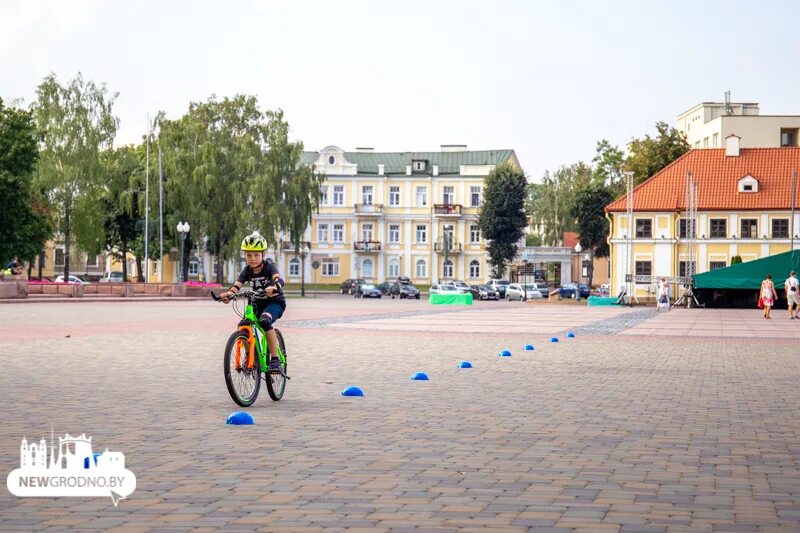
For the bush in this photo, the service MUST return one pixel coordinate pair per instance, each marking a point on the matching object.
(736, 259)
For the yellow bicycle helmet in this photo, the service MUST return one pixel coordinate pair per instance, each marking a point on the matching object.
(254, 243)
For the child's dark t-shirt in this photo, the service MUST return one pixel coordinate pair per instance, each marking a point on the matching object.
(262, 279)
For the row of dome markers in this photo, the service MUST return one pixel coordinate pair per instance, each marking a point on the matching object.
(422, 376)
(245, 418)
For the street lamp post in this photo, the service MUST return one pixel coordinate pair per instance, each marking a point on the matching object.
(525, 278)
(303, 253)
(578, 249)
(183, 229)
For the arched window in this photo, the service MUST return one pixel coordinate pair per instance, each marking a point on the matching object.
(422, 269)
(447, 269)
(474, 269)
(294, 267)
(366, 268)
(394, 268)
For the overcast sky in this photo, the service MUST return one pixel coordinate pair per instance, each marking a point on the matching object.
(547, 79)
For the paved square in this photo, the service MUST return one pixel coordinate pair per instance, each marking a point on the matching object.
(624, 428)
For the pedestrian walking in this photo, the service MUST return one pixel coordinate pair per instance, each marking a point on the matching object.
(767, 295)
(792, 296)
(663, 295)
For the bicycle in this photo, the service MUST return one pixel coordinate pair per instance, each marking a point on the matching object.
(247, 355)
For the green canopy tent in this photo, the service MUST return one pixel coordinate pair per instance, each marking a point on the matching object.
(749, 275)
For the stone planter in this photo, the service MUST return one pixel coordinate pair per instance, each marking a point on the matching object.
(17, 288)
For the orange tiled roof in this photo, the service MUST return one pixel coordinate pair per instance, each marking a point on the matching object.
(717, 177)
(570, 239)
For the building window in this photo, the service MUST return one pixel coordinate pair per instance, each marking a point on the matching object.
(394, 195)
(330, 267)
(422, 233)
(294, 267)
(322, 233)
(448, 194)
(394, 233)
(716, 265)
(323, 195)
(780, 228)
(716, 140)
(422, 196)
(366, 232)
(682, 265)
(194, 266)
(422, 269)
(59, 262)
(447, 269)
(338, 195)
(789, 136)
(331, 160)
(719, 228)
(474, 269)
(474, 234)
(338, 233)
(394, 268)
(366, 268)
(92, 261)
(705, 142)
(644, 268)
(644, 228)
(366, 194)
(418, 165)
(749, 228)
(475, 196)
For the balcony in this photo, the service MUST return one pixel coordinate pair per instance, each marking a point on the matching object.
(288, 246)
(367, 246)
(447, 210)
(439, 246)
(368, 210)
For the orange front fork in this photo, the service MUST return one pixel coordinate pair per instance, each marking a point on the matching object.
(251, 348)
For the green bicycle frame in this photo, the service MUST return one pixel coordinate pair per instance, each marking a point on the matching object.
(262, 349)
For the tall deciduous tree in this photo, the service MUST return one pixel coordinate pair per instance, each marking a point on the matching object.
(502, 217)
(24, 220)
(120, 200)
(588, 210)
(650, 154)
(608, 162)
(75, 123)
(551, 201)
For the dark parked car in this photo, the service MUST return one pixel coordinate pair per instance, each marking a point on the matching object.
(568, 291)
(403, 288)
(386, 287)
(499, 286)
(367, 290)
(349, 285)
(483, 292)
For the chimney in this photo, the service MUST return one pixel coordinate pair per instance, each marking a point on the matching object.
(408, 170)
(380, 169)
(454, 147)
(365, 149)
(732, 145)
(435, 170)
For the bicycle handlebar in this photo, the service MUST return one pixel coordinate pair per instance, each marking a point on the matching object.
(248, 293)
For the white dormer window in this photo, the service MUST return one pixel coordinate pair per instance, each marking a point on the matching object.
(748, 184)
(419, 165)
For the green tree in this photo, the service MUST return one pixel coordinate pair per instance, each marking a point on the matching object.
(75, 123)
(607, 165)
(649, 155)
(551, 201)
(24, 215)
(588, 210)
(736, 259)
(502, 218)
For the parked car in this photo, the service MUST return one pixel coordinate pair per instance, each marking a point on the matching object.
(568, 291)
(112, 277)
(543, 289)
(349, 285)
(517, 291)
(438, 288)
(403, 288)
(499, 286)
(482, 292)
(604, 290)
(368, 290)
(73, 280)
(386, 287)
(460, 286)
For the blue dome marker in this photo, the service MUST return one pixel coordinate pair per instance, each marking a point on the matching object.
(240, 418)
(353, 391)
(529, 347)
(553, 339)
(420, 376)
(464, 364)
(505, 353)
(570, 335)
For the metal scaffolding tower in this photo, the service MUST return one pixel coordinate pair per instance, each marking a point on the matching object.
(629, 257)
(690, 215)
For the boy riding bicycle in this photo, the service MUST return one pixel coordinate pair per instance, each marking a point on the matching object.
(263, 275)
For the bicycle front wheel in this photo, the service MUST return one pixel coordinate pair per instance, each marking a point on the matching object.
(276, 383)
(243, 381)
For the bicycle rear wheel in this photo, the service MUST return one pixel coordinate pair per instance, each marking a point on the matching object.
(276, 383)
(242, 382)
